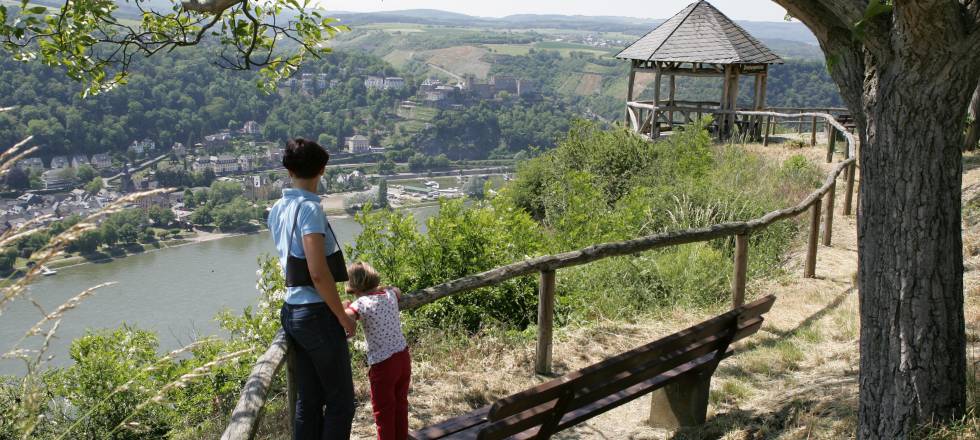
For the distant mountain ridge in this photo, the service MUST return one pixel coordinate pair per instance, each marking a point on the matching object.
(791, 31)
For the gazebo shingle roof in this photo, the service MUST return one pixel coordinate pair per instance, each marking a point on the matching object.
(700, 33)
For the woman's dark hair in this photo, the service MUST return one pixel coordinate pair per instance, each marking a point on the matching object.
(304, 158)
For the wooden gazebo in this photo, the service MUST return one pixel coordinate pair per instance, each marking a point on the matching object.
(699, 41)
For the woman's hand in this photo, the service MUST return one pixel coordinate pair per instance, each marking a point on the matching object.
(313, 244)
(350, 326)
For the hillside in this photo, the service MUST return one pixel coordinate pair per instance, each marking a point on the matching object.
(792, 31)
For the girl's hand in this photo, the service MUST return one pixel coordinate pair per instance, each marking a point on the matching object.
(346, 303)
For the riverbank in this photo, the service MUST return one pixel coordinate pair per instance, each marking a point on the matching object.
(329, 203)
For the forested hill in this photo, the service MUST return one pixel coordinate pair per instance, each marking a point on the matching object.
(183, 96)
(175, 98)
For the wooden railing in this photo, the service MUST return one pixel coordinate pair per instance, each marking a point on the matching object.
(647, 117)
(247, 414)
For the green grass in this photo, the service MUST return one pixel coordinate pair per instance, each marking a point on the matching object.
(730, 391)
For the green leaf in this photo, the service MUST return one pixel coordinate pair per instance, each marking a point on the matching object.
(37, 10)
(875, 8)
(832, 61)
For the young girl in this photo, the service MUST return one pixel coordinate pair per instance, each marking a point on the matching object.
(387, 351)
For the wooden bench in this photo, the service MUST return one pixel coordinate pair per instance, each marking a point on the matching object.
(678, 367)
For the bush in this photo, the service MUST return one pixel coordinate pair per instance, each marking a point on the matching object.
(460, 241)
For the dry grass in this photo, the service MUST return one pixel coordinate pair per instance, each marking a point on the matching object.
(460, 60)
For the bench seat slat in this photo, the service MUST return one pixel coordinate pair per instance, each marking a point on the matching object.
(663, 365)
(476, 418)
(550, 390)
(634, 392)
(585, 396)
(623, 397)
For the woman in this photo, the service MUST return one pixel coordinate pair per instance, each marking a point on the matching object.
(313, 316)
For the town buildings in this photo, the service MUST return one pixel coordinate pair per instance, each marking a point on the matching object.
(251, 128)
(374, 82)
(56, 180)
(142, 147)
(358, 144)
(31, 163)
(60, 162)
(101, 161)
(79, 160)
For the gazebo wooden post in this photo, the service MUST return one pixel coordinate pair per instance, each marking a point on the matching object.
(763, 83)
(733, 99)
(673, 89)
(725, 95)
(655, 113)
(756, 126)
(629, 90)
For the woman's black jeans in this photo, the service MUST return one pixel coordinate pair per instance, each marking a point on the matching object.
(321, 366)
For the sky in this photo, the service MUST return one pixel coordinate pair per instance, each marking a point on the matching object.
(758, 10)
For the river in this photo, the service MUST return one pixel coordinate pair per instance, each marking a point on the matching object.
(175, 292)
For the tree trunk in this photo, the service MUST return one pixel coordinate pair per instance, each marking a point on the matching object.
(907, 80)
(973, 132)
(913, 349)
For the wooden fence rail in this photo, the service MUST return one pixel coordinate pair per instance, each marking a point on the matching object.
(247, 414)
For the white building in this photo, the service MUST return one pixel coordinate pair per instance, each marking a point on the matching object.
(141, 147)
(394, 83)
(31, 163)
(224, 164)
(246, 162)
(179, 149)
(374, 82)
(54, 180)
(59, 162)
(201, 164)
(358, 144)
(101, 160)
(251, 127)
(79, 160)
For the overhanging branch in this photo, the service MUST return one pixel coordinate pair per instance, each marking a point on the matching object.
(208, 6)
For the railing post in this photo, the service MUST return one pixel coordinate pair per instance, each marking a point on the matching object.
(849, 188)
(831, 143)
(810, 267)
(546, 318)
(741, 264)
(765, 139)
(813, 132)
(828, 216)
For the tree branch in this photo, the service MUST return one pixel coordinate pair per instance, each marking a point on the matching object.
(208, 6)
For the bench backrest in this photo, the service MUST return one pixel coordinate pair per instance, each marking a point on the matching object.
(545, 404)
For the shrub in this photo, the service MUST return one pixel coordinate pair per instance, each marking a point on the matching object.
(460, 241)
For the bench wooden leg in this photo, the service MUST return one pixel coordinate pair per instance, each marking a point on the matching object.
(682, 403)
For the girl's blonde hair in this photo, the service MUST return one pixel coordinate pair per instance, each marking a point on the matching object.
(362, 277)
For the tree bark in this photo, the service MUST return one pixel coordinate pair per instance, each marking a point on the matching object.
(973, 132)
(913, 349)
(908, 84)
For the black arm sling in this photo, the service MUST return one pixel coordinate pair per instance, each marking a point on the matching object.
(297, 270)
